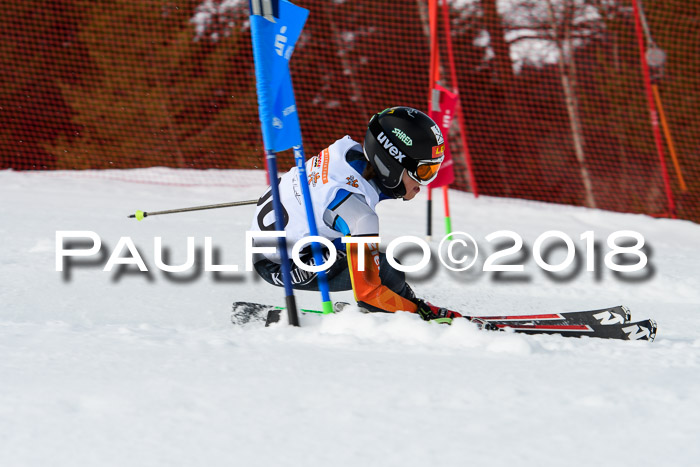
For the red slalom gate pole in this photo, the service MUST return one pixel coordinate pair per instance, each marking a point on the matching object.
(433, 76)
(652, 110)
(429, 223)
(460, 115)
(446, 202)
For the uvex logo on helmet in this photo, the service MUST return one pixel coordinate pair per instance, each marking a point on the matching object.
(389, 146)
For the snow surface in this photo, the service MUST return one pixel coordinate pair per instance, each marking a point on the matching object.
(102, 368)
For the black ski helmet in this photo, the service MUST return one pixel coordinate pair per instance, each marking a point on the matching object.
(403, 138)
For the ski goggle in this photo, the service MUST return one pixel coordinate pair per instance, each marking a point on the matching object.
(426, 171)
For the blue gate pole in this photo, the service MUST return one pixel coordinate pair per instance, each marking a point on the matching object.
(290, 302)
(300, 159)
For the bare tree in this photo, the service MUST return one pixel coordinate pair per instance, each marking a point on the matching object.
(562, 24)
(505, 87)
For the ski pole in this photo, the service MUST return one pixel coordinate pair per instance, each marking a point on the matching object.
(139, 215)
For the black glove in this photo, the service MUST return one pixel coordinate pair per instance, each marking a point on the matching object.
(429, 312)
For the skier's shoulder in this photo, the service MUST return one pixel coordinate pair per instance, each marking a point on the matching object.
(350, 214)
(348, 152)
(347, 165)
(345, 144)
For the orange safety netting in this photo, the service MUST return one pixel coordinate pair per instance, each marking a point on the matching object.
(553, 93)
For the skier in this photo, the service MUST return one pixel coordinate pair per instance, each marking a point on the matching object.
(403, 150)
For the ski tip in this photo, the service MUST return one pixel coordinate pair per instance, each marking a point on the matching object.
(652, 333)
(640, 330)
(628, 313)
(246, 312)
(340, 306)
(273, 316)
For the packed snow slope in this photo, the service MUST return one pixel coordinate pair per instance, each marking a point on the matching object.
(131, 368)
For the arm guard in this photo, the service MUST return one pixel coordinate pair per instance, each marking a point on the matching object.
(367, 285)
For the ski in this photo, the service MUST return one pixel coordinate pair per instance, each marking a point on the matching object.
(246, 312)
(640, 330)
(605, 323)
(602, 323)
(602, 317)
